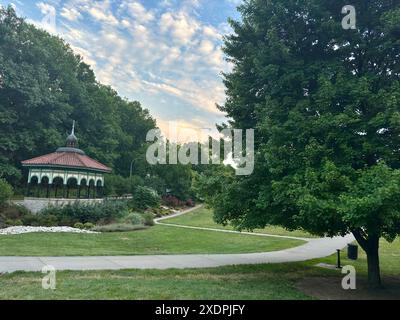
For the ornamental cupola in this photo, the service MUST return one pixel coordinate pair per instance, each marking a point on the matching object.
(72, 140)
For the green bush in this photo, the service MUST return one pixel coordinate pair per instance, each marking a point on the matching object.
(115, 185)
(79, 225)
(13, 223)
(161, 212)
(119, 227)
(88, 226)
(11, 212)
(100, 213)
(31, 220)
(118, 186)
(6, 192)
(48, 220)
(145, 198)
(148, 218)
(134, 219)
(18, 222)
(13, 215)
(155, 183)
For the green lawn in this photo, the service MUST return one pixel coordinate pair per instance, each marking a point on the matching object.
(156, 240)
(298, 281)
(264, 282)
(204, 218)
(245, 282)
(389, 254)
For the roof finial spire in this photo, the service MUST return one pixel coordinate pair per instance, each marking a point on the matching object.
(72, 141)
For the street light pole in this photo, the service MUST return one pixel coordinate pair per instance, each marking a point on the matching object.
(130, 175)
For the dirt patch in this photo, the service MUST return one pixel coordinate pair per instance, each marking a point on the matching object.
(330, 288)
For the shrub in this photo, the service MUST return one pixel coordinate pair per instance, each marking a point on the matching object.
(48, 220)
(134, 219)
(161, 212)
(31, 220)
(6, 192)
(190, 203)
(144, 198)
(11, 212)
(172, 201)
(148, 218)
(155, 183)
(88, 226)
(18, 222)
(79, 225)
(13, 215)
(119, 186)
(13, 223)
(70, 214)
(119, 227)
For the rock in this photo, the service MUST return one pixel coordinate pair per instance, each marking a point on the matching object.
(21, 230)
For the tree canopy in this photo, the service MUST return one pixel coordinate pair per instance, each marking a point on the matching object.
(325, 104)
(43, 87)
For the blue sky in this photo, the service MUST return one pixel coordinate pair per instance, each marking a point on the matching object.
(165, 54)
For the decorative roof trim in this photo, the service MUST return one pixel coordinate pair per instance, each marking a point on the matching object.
(49, 166)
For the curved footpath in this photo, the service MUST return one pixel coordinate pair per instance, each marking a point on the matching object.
(313, 249)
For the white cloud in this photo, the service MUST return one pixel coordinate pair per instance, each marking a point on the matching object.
(166, 57)
(48, 21)
(71, 14)
(46, 8)
(102, 16)
(179, 25)
(206, 47)
(138, 11)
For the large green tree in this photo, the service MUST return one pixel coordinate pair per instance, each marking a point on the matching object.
(325, 103)
(43, 87)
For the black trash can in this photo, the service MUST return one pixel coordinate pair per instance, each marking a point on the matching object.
(352, 252)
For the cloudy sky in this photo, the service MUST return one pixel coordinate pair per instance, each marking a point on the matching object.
(164, 53)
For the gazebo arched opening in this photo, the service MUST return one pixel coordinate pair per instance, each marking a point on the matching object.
(33, 187)
(82, 189)
(92, 189)
(58, 185)
(99, 188)
(44, 187)
(72, 188)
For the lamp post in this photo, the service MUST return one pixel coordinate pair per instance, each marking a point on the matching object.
(130, 174)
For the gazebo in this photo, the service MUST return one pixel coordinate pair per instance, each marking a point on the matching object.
(67, 173)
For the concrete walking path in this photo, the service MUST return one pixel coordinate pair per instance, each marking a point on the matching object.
(312, 249)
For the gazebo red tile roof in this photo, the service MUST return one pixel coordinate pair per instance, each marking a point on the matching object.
(67, 159)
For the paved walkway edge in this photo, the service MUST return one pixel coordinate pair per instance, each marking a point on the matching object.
(313, 249)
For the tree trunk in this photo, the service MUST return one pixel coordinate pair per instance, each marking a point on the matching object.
(374, 272)
(371, 248)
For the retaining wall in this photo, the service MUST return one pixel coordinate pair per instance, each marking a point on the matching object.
(35, 204)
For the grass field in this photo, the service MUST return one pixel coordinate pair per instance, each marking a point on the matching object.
(264, 282)
(298, 281)
(204, 218)
(156, 240)
(245, 282)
